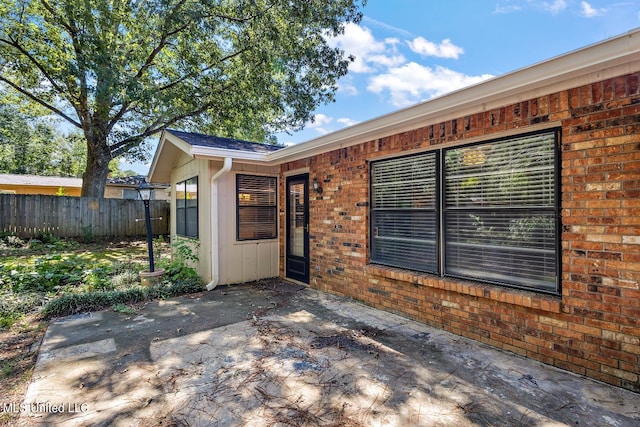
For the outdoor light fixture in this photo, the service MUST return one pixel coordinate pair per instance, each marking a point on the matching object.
(144, 190)
(316, 186)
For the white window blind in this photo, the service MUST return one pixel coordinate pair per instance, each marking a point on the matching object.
(404, 212)
(500, 212)
(256, 207)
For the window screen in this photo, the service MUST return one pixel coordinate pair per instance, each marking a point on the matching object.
(403, 213)
(256, 207)
(500, 212)
(187, 208)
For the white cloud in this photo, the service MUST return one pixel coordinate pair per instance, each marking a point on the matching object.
(556, 6)
(347, 88)
(445, 49)
(507, 9)
(386, 26)
(347, 122)
(319, 122)
(589, 11)
(413, 82)
(368, 52)
(510, 6)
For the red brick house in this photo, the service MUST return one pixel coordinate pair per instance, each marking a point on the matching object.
(507, 212)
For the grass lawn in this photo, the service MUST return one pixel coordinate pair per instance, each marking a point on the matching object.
(49, 277)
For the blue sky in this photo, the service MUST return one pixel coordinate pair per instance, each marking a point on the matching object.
(408, 51)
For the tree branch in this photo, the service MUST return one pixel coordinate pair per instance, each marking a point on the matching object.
(148, 62)
(121, 147)
(41, 102)
(34, 61)
(58, 18)
(81, 99)
(245, 19)
(202, 70)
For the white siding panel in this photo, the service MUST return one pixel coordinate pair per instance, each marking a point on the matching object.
(249, 260)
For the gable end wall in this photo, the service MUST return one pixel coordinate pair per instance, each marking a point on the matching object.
(593, 329)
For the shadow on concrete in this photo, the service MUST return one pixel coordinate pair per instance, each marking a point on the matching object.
(272, 353)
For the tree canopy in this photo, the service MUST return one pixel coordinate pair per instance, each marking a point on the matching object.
(121, 71)
(34, 145)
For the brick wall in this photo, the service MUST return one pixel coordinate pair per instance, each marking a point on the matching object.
(593, 329)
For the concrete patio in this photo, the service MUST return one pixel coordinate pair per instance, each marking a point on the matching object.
(273, 353)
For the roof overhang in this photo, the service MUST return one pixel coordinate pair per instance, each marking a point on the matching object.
(40, 181)
(610, 58)
(171, 146)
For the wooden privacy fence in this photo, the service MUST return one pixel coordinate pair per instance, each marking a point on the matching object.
(29, 215)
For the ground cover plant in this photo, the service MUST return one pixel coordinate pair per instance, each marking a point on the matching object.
(48, 277)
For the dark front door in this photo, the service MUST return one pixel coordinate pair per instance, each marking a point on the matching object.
(297, 248)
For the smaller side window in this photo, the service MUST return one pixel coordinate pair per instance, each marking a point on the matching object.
(256, 207)
(187, 208)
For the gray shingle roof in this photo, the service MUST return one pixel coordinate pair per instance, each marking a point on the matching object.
(127, 180)
(202, 140)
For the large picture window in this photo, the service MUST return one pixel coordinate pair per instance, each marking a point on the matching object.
(187, 208)
(495, 210)
(257, 207)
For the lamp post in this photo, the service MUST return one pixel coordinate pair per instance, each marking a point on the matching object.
(144, 190)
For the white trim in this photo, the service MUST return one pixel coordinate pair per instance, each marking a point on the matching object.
(209, 153)
(298, 171)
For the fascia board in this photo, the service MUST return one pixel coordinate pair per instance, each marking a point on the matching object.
(156, 158)
(199, 152)
(165, 137)
(178, 142)
(221, 153)
(605, 59)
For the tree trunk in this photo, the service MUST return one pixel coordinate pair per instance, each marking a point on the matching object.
(94, 178)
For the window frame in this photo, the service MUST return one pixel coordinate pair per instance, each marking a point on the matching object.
(273, 207)
(443, 235)
(373, 211)
(181, 229)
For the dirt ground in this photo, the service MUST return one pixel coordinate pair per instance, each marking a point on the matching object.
(18, 346)
(277, 354)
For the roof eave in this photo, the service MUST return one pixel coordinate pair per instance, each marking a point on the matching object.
(222, 153)
(609, 58)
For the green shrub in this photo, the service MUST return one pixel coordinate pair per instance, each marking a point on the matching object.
(46, 237)
(126, 279)
(91, 301)
(87, 234)
(99, 300)
(177, 269)
(122, 308)
(58, 284)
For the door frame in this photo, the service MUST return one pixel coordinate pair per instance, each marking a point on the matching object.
(296, 267)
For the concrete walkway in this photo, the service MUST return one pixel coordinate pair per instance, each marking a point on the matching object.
(277, 354)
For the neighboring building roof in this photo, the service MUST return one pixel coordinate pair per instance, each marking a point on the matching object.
(202, 140)
(131, 181)
(37, 180)
(67, 182)
(127, 180)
